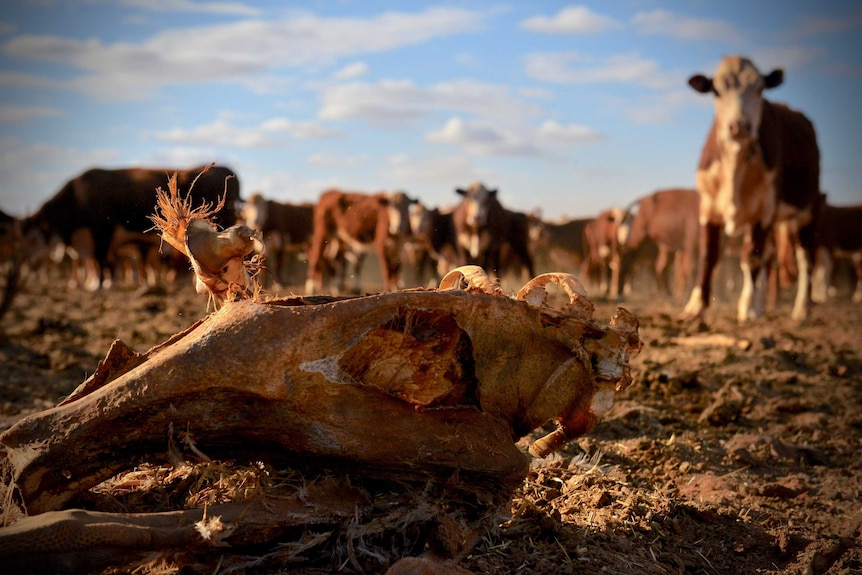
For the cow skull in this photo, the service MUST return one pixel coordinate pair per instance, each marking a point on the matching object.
(417, 382)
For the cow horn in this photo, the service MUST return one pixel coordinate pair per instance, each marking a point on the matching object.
(470, 278)
(534, 292)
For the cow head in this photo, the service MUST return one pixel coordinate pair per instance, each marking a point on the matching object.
(624, 220)
(398, 204)
(254, 211)
(476, 199)
(738, 89)
(737, 186)
(420, 219)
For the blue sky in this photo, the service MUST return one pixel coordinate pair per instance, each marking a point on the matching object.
(565, 107)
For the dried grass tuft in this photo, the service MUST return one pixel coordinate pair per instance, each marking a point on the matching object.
(174, 213)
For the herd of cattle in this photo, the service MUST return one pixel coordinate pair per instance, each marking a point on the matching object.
(757, 186)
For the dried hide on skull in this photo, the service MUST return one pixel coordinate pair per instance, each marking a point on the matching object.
(410, 387)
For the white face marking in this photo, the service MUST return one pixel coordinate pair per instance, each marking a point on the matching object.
(476, 201)
(739, 99)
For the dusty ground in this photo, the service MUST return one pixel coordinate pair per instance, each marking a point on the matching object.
(736, 450)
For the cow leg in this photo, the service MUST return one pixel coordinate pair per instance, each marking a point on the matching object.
(317, 259)
(821, 277)
(661, 269)
(803, 286)
(710, 246)
(615, 288)
(805, 248)
(755, 263)
(857, 267)
(351, 270)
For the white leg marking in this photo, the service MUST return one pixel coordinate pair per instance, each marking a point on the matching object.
(745, 297)
(800, 306)
(694, 307)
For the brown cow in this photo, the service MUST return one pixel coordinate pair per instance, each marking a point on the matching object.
(669, 219)
(485, 230)
(560, 245)
(286, 228)
(602, 265)
(348, 225)
(760, 165)
(839, 236)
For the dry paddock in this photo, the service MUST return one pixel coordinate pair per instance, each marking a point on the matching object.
(736, 449)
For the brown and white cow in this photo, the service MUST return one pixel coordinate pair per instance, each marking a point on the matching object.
(760, 165)
(485, 231)
(669, 220)
(286, 229)
(348, 225)
(840, 236)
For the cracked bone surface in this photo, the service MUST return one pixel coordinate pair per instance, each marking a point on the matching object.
(411, 384)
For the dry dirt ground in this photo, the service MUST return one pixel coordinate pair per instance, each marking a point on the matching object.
(736, 450)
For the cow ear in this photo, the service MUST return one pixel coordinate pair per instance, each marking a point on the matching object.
(460, 192)
(492, 193)
(701, 83)
(774, 78)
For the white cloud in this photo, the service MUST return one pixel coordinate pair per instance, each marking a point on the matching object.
(571, 20)
(297, 130)
(353, 70)
(573, 68)
(328, 161)
(552, 134)
(184, 156)
(394, 103)
(814, 25)
(664, 23)
(661, 108)
(22, 80)
(221, 133)
(433, 178)
(228, 8)
(13, 113)
(483, 139)
(234, 51)
(467, 59)
(33, 173)
(786, 57)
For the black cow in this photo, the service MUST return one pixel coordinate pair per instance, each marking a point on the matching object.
(287, 231)
(99, 202)
(487, 233)
(431, 248)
